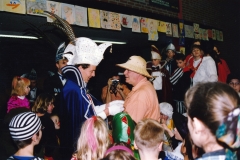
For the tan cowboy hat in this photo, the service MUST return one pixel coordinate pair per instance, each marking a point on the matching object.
(136, 64)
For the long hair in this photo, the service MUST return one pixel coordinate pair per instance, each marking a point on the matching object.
(18, 85)
(42, 102)
(93, 140)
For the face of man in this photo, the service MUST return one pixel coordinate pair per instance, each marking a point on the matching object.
(33, 84)
(131, 77)
(196, 53)
(156, 62)
(181, 63)
(87, 73)
(170, 54)
(60, 64)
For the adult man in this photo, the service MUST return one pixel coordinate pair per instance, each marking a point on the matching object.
(78, 105)
(141, 102)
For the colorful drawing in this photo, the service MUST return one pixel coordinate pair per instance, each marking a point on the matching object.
(182, 33)
(104, 19)
(93, 18)
(168, 29)
(114, 21)
(68, 13)
(182, 50)
(213, 34)
(188, 31)
(15, 6)
(126, 20)
(36, 7)
(152, 30)
(205, 34)
(81, 16)
(200, 33)
(196, 27)
(162, 27)
(53, 7)
(144, 25)
(196, 35)
(210, 33)
(221, 36)
(175, 30)
(1, 5)
(135, 24)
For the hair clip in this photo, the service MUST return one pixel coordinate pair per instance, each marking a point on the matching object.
(119, 147)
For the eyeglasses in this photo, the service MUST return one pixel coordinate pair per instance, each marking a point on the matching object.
(234, 84)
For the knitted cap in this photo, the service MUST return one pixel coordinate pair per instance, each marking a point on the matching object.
(24, 125)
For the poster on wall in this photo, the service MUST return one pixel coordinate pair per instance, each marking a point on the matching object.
(213, 34)
(135, 24)
(81, 16)
(144, 24)
(53, 7)
(221, 36)
(36, 7)
(182, 50)
(162, 26)
(152, 30)
(168, 29)
(205, 34)
(126, 20)
(14, 6)
(104, 19)
(200, 33)
(1, 5)
(189, 31)
(209, 33)
(181, 33)
(196, 27)
(196, 35)
(217, 35)
(114, 19)
(175, 30)
(93, 18)
(68, 13)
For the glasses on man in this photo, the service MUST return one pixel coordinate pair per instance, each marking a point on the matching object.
(234, 84)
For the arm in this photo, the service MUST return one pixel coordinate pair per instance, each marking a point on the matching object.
(211, 71)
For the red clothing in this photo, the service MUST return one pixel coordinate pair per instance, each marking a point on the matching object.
(223, 71)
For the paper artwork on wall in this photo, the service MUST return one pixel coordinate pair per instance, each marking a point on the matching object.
(1, 5)
(175, 30)
(196, 35)
(93, 18)
(196, 27)
(220, 35)
(168, 29)
(213, 34)
(114, 21)
(68, 13)
(205, 34)
(181, 33)
(144, 25)
(126, 20)
(209, 33)
(81, 16)
(104, 19)
(36, 7)
(162, 27)
(217, 35)
(15, 6)
(135, 24)
(53, 7)
(182, 50)
(189, 31)
(152, 30)
(200, 33)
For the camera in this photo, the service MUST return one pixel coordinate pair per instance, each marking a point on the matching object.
(113, 88)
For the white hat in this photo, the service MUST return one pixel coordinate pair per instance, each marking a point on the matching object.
(166, 109)
(85, 52)
(136, 64)
(155, 52)
(170, 47)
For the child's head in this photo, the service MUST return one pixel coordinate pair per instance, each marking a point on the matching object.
(119, 151)
(196, 51)
(148, 135)
(20, 86)
(181, 128)
(170, 51)
(207, 105)
(166, 111)
(180, 59)
(56, 121)
(234, 81)
(93, 140)
(25, 129)
(43, 104)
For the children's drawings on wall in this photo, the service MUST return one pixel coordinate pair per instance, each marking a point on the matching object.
(135, 24)
(200, 33)
(162, 26)
(114, 21)
(36, 7)
(205, 35)
(181, 33)
(196, 27)
(175, 30)
(213, 34)
(209, 33)
(68, 13)
(168, 29)
(189, 31)
(196, 35)
(217, 35)
(182, 50)
(104, 19)
(53, 7)
(81, 16)
(152, 30)
(93, 18)
(15, 6)
(144, 25)
(126, 20)
(220, 36)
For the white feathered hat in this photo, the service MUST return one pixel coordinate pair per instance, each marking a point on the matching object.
(166, 109)
(85, 51)
(155, 52)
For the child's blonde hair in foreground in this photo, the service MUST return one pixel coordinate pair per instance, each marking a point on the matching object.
(94, 139)
(148, 134)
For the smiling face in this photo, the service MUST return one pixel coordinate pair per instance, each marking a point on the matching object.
(87, 73)
(196, 53)
(131, 77)
(181, 63)
(156, 62)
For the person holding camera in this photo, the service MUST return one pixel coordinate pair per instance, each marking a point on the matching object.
(115, 90)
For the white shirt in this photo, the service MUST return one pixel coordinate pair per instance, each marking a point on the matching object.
(157, 83)
(206, 72)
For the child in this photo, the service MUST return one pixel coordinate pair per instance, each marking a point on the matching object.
(234, 82)
(93, 140)
(148, 139)
(171, 64)
(20, 89)
(181, 82)
(213, 117)
(25, 130)
(43, 107)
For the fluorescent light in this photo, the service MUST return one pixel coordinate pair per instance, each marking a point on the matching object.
(17, 36)
(113, 42)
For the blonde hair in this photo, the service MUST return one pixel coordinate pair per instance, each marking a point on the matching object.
(210, 103)
(148, 134)
(42, 102)
(18, 85)
(93, 140)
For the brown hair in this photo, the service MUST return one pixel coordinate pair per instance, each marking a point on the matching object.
(148, 134)
(42, 102)
(18, 85)
(210, 103)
